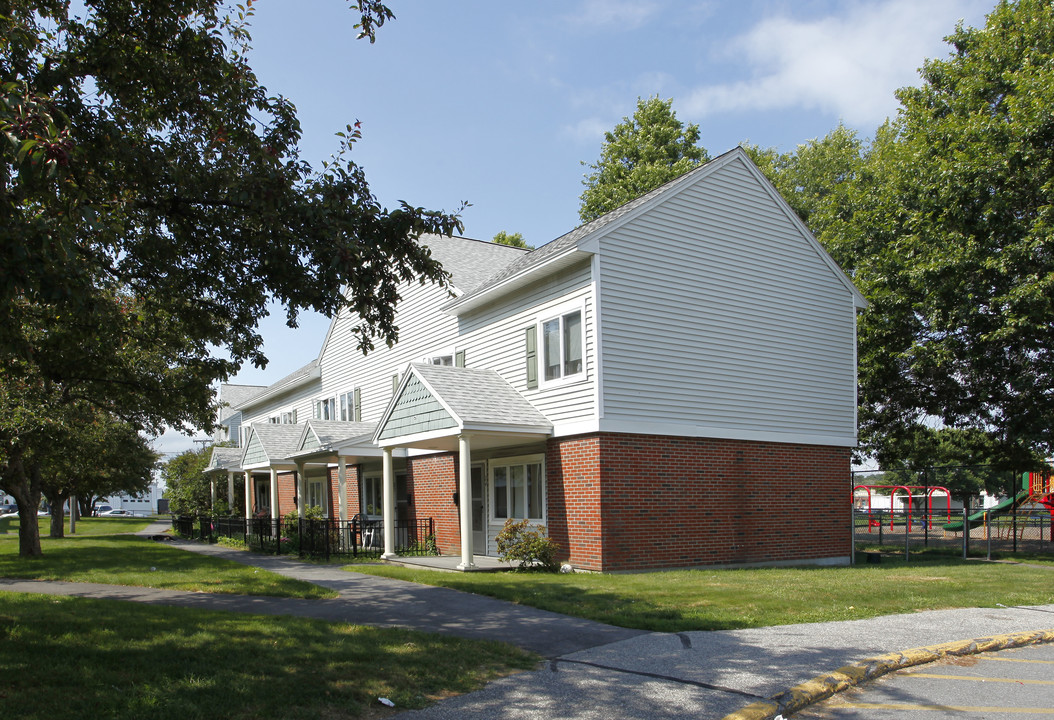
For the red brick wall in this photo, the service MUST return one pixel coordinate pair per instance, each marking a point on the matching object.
(432, 481)
(572, 469)
(351, 478)
(630, 502)
(286, 493)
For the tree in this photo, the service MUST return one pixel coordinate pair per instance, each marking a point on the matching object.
(512, 240)
(152, 204)
(960, 273)
(121, 461)
(639, 155)
(187, 486)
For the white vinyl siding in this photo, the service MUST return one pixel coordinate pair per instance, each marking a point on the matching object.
(493, 338)
(719, 314)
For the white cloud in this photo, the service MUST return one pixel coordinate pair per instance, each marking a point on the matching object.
(847, 65)
(587, 130)
(624, 14)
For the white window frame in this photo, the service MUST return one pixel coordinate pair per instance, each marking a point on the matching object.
(368, 479)
(445, 357)
(348, 398)
(318, 408)
(558, 314)
(492, 493)
(283, 417)
(316, 484)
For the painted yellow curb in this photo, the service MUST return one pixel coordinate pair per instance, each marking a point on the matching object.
(824, 686)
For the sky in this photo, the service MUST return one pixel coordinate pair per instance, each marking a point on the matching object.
(503, 105)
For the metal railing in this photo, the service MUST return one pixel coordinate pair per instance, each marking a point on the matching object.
(323, 539)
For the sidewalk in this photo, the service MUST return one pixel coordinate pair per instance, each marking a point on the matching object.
(593, 670)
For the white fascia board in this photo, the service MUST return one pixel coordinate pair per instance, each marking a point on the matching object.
(407, 440)
(284, 465)
(513, 282)
(500, 428)
(314, 374)
(700, 431)
(580, 427)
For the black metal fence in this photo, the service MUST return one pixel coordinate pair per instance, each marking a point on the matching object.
(323, 539)
(972, 532)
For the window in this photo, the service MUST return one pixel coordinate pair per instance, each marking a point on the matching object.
(315, 498)
(518, 488)
(350, 404)
(286, 417)
(325, 409)
(440, 360)
(371, 497)
(562, 346)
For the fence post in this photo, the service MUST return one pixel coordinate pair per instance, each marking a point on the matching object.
(988, 531)
(907, 537)
(966, 527)
(852, 535)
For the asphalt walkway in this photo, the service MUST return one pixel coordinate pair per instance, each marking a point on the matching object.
(593, 670)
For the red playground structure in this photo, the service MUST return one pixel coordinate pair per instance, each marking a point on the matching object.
(927, 490)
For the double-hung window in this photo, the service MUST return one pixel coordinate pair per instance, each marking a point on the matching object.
(325, 409)
(562, 346)
(518, 488)
(350, 406)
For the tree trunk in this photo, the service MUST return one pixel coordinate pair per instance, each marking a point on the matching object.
(57, 531)
(24, 487)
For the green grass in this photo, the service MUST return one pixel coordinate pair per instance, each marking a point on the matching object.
(732, 599)
(77, 658)
(139, 561)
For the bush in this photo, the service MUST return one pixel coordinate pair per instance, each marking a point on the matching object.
(521, 542)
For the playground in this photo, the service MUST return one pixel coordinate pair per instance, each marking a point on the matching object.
(925, 516)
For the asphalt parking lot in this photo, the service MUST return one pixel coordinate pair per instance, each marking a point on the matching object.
(1016, 683)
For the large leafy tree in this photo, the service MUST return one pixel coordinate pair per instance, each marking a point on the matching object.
(152, 204)
(961, 278)
(640, 154)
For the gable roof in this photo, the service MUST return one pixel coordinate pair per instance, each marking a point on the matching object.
(469, 261)
(448, 399)
(328, 434)
(270, 443)
(572, 247)
(224, 458)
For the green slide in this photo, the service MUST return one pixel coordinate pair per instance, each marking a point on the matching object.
(978, 517)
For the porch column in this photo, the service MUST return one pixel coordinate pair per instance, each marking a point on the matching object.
(298, 490)
(465, 500)
(389, 506)
(230, 491)
(274, 495)
(342, 487)
(212, 490)
(248, 494)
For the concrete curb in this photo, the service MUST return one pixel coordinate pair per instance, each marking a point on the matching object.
(824, 686)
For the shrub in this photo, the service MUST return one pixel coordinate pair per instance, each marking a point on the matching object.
(521, 542)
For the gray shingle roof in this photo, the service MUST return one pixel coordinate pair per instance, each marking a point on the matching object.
(335, 432)
(224, 458)
(231, 396)
(468, 261)
(570, 240)
(279, 441)
(480, 396)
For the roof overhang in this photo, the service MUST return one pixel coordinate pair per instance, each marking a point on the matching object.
(473, 300)
(275, 390)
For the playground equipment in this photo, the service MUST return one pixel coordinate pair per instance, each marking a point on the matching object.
(873, 522)
(1037, 488)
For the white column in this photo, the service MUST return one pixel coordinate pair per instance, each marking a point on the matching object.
(274, 495)
(248, 494)
(389, 506)
(342, 487)
(298, 490)
(230, 490)
(212, 490)
(465, 500)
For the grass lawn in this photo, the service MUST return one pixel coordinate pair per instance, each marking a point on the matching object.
(732, 599)
(131, 560)
(77, 658)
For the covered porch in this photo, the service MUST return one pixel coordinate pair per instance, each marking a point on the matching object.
(466, 412)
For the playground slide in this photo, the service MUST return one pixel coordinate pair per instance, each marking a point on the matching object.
(978, 517)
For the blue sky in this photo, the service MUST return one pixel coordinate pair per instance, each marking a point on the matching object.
(499, 103)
